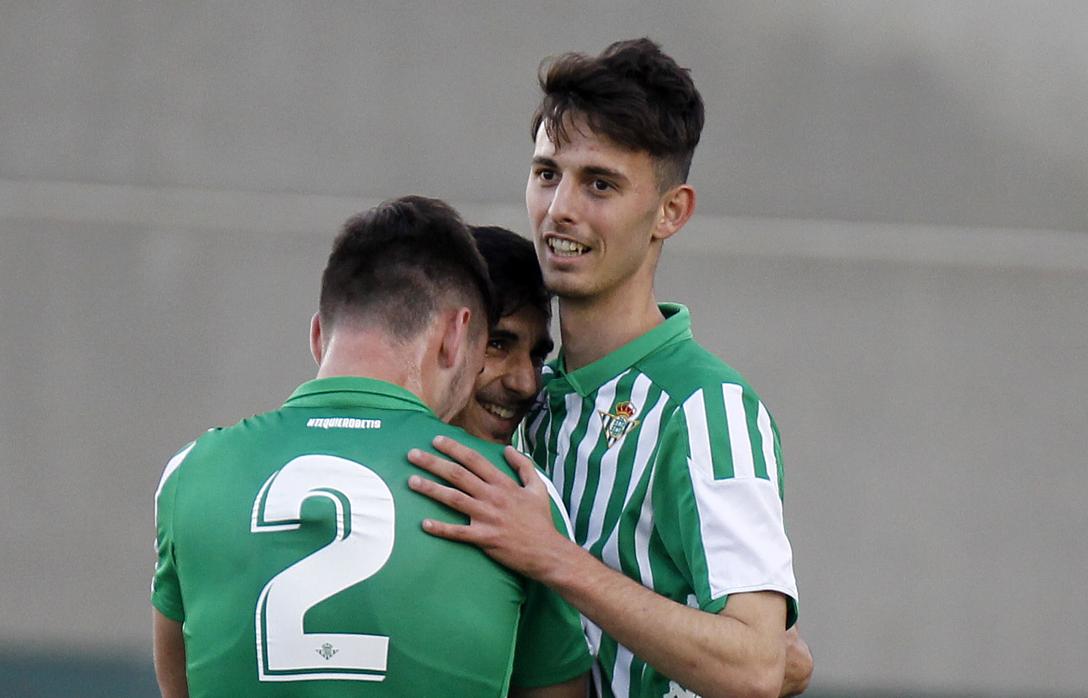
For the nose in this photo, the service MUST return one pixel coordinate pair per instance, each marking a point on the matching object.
(522, 378)
(563, 206)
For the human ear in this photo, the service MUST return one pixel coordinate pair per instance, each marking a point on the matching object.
(317, 347)
(677, 206)
(454, 342)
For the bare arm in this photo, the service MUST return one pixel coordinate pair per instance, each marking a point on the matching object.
(798, 664)
(575, 688)
(740, 651)
(169, 651)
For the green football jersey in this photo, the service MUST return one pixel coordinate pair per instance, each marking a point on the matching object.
(671, 470)
(291, 549)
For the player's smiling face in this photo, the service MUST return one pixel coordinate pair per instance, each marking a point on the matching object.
(594, 208)
(510, 378)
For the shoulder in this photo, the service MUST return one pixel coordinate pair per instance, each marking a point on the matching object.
(717, 421)
(173, 465)
(683, 369)
(211, 443)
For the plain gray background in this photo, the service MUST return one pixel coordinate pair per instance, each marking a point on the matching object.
(891, 243)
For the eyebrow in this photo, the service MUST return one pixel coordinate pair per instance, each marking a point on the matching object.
(588, 170)
(599, 171)
(543, 347)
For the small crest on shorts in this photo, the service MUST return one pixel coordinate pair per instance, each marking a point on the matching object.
(327, 651)
(618, 422)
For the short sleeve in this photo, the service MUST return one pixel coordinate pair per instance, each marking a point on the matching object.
(717, 501)
(551, 644)
(165, 590)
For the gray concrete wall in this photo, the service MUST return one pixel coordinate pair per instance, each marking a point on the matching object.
(171, 176)
(929, 385)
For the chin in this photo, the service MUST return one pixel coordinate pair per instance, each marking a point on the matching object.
(502, 439)
(568, 286)
(500, 434)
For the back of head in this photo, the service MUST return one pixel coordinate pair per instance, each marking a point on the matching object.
(394, 266)
(634, 94)
(514, 270)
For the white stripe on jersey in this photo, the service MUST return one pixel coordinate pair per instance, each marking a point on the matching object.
(647, 440)
(763, 421)
(593, 636)
(737, 423)
(606, 396)
(542, 412)
(597, 678)
(698, 434)
(740, 522)
(172, 465)
(562, 444)
(642, 538)
(558, 500)
(607, 481)
(621, 673)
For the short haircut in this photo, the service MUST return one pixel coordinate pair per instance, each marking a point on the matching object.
(515, 274)
(632, 93)
(399, 263)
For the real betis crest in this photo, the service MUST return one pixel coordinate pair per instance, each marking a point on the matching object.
(619, 422)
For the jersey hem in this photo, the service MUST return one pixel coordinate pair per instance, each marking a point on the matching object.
(716, 604)
(169, 610)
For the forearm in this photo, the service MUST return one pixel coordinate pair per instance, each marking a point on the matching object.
(798, 664)
(707, 653)
(169, 654)
(738, 652)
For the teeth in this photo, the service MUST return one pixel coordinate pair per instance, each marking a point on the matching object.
(566, 248)
(498, 410)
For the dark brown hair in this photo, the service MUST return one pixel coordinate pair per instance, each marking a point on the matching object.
(514, 270)
(399, 263)
(631, 93)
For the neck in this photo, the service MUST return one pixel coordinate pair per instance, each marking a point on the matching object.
(592, 328)
(369, 354)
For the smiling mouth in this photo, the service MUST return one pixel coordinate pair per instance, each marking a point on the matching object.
(562, 247)
(498, 410)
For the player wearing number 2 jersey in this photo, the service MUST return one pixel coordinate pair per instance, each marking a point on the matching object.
(291, 561)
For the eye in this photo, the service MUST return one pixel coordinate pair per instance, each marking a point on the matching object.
(600, 185)
(540, 358)
(496, 345)
(546, 175)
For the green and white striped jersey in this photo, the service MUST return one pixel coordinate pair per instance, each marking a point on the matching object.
(670, 467)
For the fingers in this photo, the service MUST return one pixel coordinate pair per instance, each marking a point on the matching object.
(470, 459)
(458, 476)
(453, 498)
(522, 465)
(449, 531)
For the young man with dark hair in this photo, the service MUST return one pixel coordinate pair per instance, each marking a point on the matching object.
(519, 342)
(667, 459)
(290, 556)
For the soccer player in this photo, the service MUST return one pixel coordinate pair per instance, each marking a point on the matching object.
(668, 461)
(519, 342)
(510, 378)
(290, 556)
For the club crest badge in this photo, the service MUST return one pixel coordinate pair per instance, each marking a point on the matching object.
(619, 422)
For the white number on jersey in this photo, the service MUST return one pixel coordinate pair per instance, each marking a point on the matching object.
(363, 543)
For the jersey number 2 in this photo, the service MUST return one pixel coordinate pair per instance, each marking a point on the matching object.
(363, 543)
